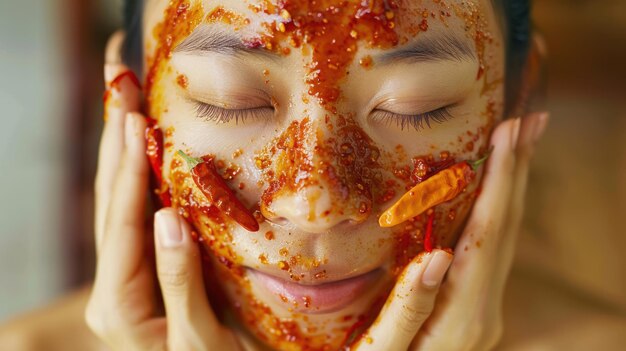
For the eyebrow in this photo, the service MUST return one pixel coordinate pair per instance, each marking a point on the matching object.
(440, 47)
(212, 39)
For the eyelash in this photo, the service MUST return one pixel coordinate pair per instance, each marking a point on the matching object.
(417, 122)
(212, 113)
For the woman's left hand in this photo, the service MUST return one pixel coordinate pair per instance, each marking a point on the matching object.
(465, 312)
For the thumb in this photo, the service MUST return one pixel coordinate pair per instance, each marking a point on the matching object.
(191, 323)
(409, 304)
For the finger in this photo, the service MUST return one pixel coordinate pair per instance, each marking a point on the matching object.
(110, 154)
(409, 304)
(490, 210)
(192, 324)
(531, 130)
(123, 243)
(119, 100)
(533, 127)
(122, 298)
(464, 296)
(113, 51)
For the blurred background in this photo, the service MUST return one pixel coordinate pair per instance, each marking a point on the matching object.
(572, 250)
(51, 55)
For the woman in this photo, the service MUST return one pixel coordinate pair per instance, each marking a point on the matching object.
(270, 97)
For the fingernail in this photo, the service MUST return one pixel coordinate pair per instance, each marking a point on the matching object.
(515, 129)
(168, 229)
(540, 126)
(185, 230)
(436, 269)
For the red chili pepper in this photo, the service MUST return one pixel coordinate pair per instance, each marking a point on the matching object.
(213, 186)
(154, 148)
(106, 96)
(154, 151)
(354, 332)
(115, 83)
(428, 237)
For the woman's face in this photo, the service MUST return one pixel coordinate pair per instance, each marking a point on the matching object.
(319, 115)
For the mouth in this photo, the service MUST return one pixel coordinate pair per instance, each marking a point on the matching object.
(319, 298)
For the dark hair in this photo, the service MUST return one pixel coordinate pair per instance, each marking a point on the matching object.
(517, 33)
(132, 49)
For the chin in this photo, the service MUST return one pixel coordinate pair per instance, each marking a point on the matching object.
(303, 315)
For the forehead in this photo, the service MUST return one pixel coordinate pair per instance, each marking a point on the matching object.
(410, 17)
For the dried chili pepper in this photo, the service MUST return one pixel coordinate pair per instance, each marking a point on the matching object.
(213, 186)
(428, 237)
(115, 83)
(154, 148)
(441, 187)
(154, 151)
(355, 332)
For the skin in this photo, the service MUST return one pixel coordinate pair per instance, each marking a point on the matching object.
(128, 317)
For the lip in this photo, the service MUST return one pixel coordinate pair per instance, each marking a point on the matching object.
(316, 299)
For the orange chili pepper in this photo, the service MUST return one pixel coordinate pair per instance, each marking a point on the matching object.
(442, 187)
(213, 186)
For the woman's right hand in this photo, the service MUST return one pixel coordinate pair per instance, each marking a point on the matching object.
(124, 309)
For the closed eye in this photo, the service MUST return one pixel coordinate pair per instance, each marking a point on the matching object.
(418, 122)
(219, 115)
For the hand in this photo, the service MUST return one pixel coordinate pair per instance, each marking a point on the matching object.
(123, 309)
(465, 312)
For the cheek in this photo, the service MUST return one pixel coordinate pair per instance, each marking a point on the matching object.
(183, 130)
(451, 217)
(213, 223)
(448, 219)
(466, 142)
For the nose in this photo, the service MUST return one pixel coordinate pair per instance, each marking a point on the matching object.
(321, 175)
(310, 209)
